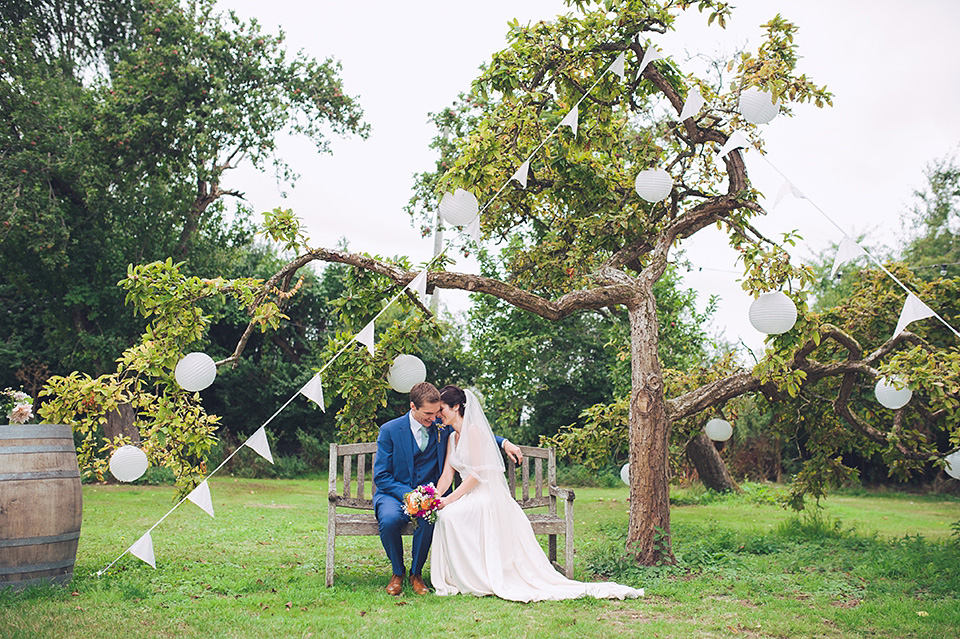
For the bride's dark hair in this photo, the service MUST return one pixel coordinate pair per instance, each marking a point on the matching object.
(452, 396)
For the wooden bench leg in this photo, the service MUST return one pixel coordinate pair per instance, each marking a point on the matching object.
(568, 540)
(331, 541)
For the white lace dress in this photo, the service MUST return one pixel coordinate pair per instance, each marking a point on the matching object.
(483, 544)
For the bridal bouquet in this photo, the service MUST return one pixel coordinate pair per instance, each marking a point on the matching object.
(422, 503)
(16, 406)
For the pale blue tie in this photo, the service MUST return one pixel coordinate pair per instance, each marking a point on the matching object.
(423, 438)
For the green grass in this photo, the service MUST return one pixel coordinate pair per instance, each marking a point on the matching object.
(746, 568)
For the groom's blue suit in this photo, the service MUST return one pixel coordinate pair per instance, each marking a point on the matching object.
(399, 468)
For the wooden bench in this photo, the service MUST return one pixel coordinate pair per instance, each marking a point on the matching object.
(354, 464)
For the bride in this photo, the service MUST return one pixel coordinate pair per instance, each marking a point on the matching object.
(483, 543)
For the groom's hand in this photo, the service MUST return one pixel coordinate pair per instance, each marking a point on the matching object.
(513, 451)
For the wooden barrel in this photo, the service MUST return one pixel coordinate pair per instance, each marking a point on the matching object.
(40, 504)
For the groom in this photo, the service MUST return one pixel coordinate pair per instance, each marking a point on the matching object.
(410, 452)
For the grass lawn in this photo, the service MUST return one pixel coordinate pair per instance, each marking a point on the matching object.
(746, 568)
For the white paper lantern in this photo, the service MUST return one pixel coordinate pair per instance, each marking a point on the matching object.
(773, 313)
(195, 372)
(888, 395)
(653, 185)
(458, 208)
(758, 106)
(625, 473)
(128, 463)
(719, 430)
(953, 464)
(406, 372)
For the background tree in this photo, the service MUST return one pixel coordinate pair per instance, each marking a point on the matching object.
(121, 122)
(933, 248)
(117, 152)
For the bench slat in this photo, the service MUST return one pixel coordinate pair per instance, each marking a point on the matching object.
(535, 502)
(354, 449)
(361, 474)
(353, 502)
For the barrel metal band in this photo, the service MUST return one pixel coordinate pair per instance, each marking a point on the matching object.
(50, 474)
(16, 570)
(36, 541)
(20, 450)
(37, 431)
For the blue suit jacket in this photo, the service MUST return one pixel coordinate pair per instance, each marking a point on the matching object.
(393, 468)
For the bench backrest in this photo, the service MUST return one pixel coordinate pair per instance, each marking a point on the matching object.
(356, 463)
(353, 463)
(544, 475)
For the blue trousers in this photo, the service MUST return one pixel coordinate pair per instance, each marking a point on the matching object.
(391, 519)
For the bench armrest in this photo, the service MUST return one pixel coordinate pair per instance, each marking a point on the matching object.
(562, 493)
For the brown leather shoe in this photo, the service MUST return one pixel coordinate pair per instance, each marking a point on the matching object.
(395, 587)
(416, 582)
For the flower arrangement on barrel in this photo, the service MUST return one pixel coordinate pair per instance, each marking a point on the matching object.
(16, 405)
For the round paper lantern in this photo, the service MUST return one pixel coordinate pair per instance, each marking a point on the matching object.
(458, 208)
(719, 430)
(406, 372)
(773, 313)
(891, 397)
(625, 473)
(653, 185)
(758, 106)
(953, 464)
(195, 372)
(128, 463)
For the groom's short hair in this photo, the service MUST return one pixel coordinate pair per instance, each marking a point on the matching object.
(424, 393)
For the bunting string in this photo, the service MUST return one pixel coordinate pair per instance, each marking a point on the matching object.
(876, 261)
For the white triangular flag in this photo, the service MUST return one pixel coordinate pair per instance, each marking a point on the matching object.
(258, 442)
(649, 56)
(201, 497)
(785, 188)
(313, 389)
(143, 550)
(735, 141)
(913, 309)
(473, 229)
(618, 66)
(572, 119)
(521, 174)
(365, 337)
(847, 250)
(693, 104)
(419, 284)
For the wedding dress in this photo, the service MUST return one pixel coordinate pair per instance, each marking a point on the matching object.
(483, 543)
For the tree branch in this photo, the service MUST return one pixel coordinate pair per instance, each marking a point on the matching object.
(619, 292)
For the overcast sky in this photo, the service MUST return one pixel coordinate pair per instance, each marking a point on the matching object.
(893, 67)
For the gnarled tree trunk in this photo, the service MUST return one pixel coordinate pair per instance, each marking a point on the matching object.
(120, 422)
(710, 467)
(648, 534)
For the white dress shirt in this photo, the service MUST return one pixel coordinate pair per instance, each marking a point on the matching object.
(415, 426)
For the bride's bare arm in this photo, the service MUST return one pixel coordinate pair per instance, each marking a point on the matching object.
(465, 487)
(446, 477)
